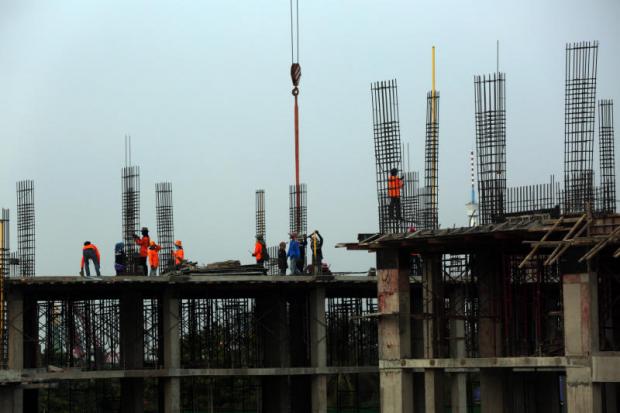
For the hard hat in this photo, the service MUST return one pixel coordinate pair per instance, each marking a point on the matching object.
(178, 243)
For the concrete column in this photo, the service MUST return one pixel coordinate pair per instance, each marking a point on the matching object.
(493, 390)
(458, 388)
(300, 386)
(171, 323)
(132, 350)
(432, 298)
(273, 336)
(318, 348)
(12, 397)
(581, 339)
(394, 329)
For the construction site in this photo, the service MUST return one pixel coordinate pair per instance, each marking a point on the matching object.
(517, 311)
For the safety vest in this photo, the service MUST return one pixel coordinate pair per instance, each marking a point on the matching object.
(394, 186)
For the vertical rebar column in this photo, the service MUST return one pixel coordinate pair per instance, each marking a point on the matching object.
(430, 214)
(579, 113)
(490, 101)
(607, 156)
(411, 198)
(165, 224)
(300, 226)
(4, 244)
(386, 131)
(260, 214)
(131, 214)
(25, 228)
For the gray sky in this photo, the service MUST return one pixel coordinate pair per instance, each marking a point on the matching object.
(204, 90)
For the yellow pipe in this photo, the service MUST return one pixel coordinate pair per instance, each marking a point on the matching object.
(433, 136)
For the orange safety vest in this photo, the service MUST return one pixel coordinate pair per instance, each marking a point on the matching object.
(179, 255)
(258, 251)
(144, 243)
(394, 186)
(90, 247)
(154, 256)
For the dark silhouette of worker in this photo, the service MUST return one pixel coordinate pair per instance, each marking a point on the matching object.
(316, 249)
(144, 244)
(90, 253)
(395, 184)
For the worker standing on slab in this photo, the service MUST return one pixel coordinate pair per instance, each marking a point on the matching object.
(153, 254)
(178, 254)
(395, 184)
(260, 250)
(120, 258)
(293, 253)
(144, 243)
(282, 264)
(90, 253)
(316, 249)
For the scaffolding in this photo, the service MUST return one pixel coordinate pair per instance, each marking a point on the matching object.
(490, 106)
(386, 131)
(131, 215)
(579, 115)
(26, 228)
(352, 335)
(165, 224)
(606, 156)
(431, 162)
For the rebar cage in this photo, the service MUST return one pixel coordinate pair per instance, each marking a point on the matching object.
(430, 217)
(607, 157)
(131, 215)
(26, 228)
(579, 113)
(165, 225)
(386, 131)
(490, 107)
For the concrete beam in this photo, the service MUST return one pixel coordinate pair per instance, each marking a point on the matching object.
(484, 363)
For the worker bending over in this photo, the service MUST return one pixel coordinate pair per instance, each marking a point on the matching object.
(395, 184)
(153, 254)
(144, 243)
(178, 254)
(90, 253)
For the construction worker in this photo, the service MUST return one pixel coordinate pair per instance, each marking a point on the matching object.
(90, 253)
(153, 254)
(301, 262)
(120, 258)
(316, 249)
(293, 253)
(395, 184)
(260, 250)
(178, 254)
(144, 243)
(282, 264)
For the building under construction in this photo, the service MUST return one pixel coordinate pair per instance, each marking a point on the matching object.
(517, 312)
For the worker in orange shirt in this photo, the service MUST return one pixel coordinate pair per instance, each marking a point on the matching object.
(90, 253)
(153, 254)
(395, 184)
(144, 243)
(178, 254)
(260, 250)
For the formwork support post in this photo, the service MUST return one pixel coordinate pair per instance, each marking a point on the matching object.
(171, 350)
(433, 302)
(318, 348)
(132, 350)
(396, 385)
(581, 338)
(458, 389)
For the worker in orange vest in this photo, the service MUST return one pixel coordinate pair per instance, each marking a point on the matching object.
(144, 243)
(178, 254)
(260, 250)
(153, 253)
(90, 253)
(395, 184)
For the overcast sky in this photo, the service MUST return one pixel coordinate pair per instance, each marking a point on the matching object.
(203, 88)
